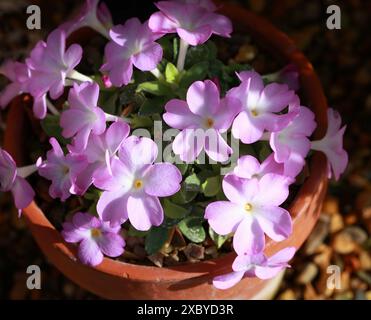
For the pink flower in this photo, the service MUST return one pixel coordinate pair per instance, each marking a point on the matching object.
(332, 145)
(91, 15)
(62, 171)
(50, 63)
(11, 179)
(206, 4)
(260, 107)
(257, 265)
(202, 119)
(100, 151)
(291, 145)
(136, 183)
(83, 116)
(132, 44)
(193, 23)
(95, 238)
(252, 210)
(249, 167)
(17, 73)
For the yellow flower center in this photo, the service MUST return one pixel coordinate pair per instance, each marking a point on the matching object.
(138, 184)
(96, 233)
(248, 207)
(209, 123)
(254, 112)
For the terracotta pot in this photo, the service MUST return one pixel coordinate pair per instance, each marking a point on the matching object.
(117, 280)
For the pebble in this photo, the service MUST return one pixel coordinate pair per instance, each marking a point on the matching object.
(309, 272)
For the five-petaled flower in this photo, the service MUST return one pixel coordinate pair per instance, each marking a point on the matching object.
(132, 44)
(95, 238)
(256, 265)
(251, 211)
(50, 64)
(332, 145)
(62, 170)
(100, 151)
(291, 145)
(202, 119)
(260, 107)
(83, 116)
(194, 23)
(135, 185)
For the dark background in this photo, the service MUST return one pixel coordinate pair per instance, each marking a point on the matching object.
(342, 60)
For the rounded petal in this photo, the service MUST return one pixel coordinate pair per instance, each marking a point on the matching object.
(158, 22)
(247, 167)
(282, 257)
(179, 116)
(188, 144)
(249, 237)
(89, 253)
(112, 207)
(116, 134)
(274, 190)
(197, 36)
(148, 59)
(246, 129)
(138, 152)
(144, 212)
(275, 221)
(216, 147)
(203, 98)
(157, 175)
(228, 280)
(240, 190)
(223, 216)
(111, 244)
(22, 192)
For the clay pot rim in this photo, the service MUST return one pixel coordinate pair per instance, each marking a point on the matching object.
(267, 35)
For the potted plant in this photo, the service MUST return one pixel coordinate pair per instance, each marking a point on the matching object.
(165, 155)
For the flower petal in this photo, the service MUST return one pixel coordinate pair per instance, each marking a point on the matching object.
(89, 252)
(228, 280)
(144, 212)
(223, 216)
(157, 174)
(249, 237)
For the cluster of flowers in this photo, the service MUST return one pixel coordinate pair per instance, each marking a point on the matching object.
(123, 166)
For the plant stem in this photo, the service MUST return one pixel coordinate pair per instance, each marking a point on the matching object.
(266, 136)
(157, 73)
(26, 171)
(52, 108)
(102, 30)
(75, 75)
(182, 55)
(112, 118)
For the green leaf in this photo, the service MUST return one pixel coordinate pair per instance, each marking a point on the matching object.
(205, 52)
(155, 239)
(107, 101)
(184, 196)
(52, 128)
(192, 183)
(211, 186)
(173, 210)
(217, 238)
(138, 121)
(152, 106)
(183, 167)
(171, 73)
(156, 88)
(192, 228)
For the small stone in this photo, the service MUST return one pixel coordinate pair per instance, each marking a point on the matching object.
(288, 294)
(343, 243)
(336, 223)
(331, 205)
(309, 272)
(368, 295)
(246, 53)
(365, 260)
(318, 235)
(357, 234)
